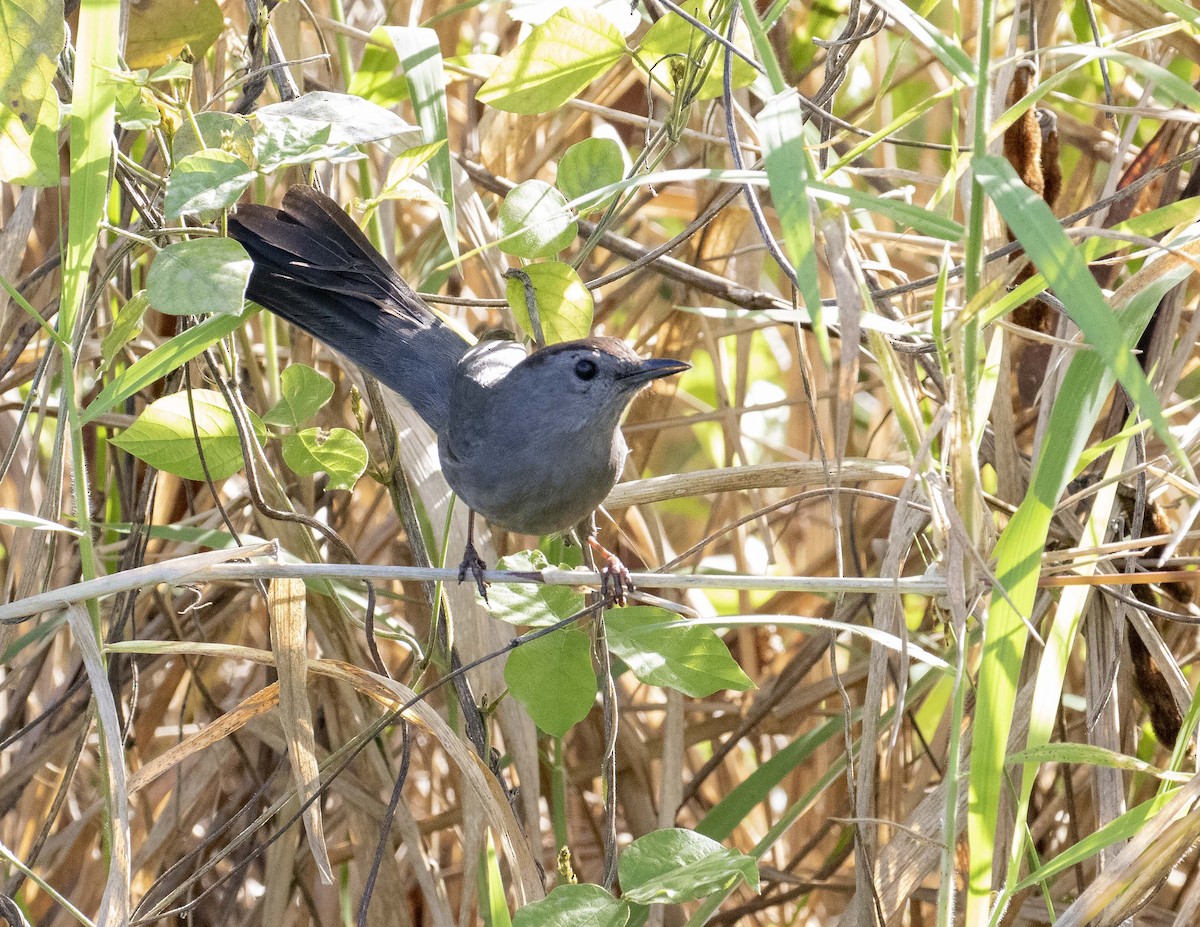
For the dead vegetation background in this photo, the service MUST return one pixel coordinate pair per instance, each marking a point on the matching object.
(843, 751)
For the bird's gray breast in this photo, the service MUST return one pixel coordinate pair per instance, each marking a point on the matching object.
(521, 461)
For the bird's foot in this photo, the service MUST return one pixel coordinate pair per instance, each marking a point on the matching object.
(473, 563)
(615, 581)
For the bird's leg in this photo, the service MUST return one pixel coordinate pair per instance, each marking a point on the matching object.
(614, 576)
(472, 561)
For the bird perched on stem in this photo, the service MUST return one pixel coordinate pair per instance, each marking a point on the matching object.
(532, 442)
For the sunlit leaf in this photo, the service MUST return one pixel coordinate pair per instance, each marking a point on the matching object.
(557, 60)
(534, 221)
(339, 453)
(675, 865)
(563, 304)
(553, 678)
(162, 28)
(164, 436)
(198, 277)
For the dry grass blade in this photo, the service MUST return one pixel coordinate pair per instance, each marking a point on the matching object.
(289, 639)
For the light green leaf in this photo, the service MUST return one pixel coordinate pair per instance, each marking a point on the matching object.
(1114, 833)
(537, 605)
(1093, 756)
(161, 29)
(692, 659)
(338, 453)
(287, 142)
(553, 678)
(906, 215)
(126, 326)
(376, 80)
(350, 119)
(15, 519)
(32, 34)
(420, 56)
(1081, 398)
(536, 12)
(675, 865)
(226, 131)
(1057, 257)
(177, 70)
(199, 276)
(534, 221)
(30, 159)
(304, 392)
(574, 906)
(31, 37)
(406, 164)
(590, 165)
(208, 180)
(781, 128)
(556, 61)
(564, 305)
(163, 436)
(136, 111)
(158, 363)
(673, 38)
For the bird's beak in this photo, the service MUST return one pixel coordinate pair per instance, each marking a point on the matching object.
(654, 368)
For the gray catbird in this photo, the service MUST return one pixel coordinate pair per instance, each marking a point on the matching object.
(530, 441)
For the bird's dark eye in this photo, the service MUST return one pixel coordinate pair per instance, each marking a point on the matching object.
(585, 369)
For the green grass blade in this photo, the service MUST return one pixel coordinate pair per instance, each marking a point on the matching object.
(421, 58)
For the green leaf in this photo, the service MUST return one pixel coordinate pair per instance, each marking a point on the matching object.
(158, 363)
(574, 906)
(350, 120)
(286, 142)
(226, 131)
(31, 39)
(162, 28)
(163, 436)
(30, 158)
(590, 165)
(1081, 398)
(493, 901)
(553, 678)
(376, 80)
(692, 659)
(338, 453)
(400, 171)
(136, 111)
(15, 519)
(556, 61)
(738, 802)
(534, 221)
(208, 180)
(563, 303)
(906, 215)
(673, 38)
(420, 56)
(1092, 755)
(531, 605)
(32, 35)
(943, 46)
(178, 70)
(1114, 833)
(781, 128)
(675, 865)
(126, 326)
(304, 392)
(1057, 257)
(199, 276)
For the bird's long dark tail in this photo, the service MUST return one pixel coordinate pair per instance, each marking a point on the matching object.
(314, 267)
